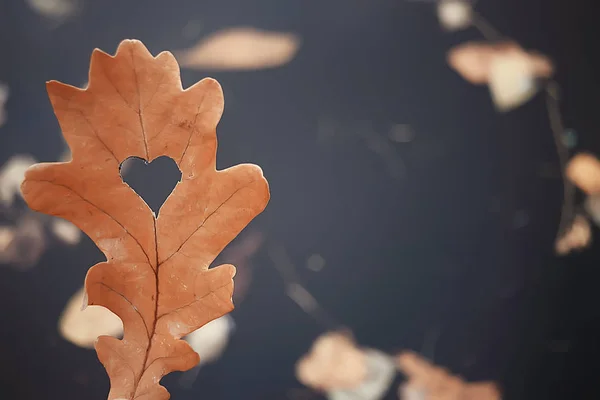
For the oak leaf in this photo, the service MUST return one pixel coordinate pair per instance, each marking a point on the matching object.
(156, 277)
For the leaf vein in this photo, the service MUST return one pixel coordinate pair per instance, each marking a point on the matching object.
(99, 209)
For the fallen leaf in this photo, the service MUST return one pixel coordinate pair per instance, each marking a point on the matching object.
(480, 62)
(345, 371)
(428, 381)
(334, 362)
(156, 277)
(82, 326)
(472, 60)
(577, 237)
(584, 171)
(241, 49)
(512, 78)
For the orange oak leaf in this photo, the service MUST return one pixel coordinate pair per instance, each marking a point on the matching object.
(156, 277)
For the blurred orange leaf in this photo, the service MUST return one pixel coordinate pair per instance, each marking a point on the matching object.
(156, 277)
(334, 362)
(241, 49)
(432, 382)
(473, 60)
(584, 171)
(577, 237)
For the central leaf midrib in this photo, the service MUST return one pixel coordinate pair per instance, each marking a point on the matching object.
(156, 297)
(155, 319)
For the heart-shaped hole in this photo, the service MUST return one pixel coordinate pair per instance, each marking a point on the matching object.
(154, 181)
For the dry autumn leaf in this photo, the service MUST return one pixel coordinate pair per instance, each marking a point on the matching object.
(241, 49)
(334, 362)
(584, 171)
(345, 371)
(428, 381)
(156, 277)
(577, 237)
(474, 60)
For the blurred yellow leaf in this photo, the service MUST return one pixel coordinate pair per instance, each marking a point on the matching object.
(83, 326)
(512, 78)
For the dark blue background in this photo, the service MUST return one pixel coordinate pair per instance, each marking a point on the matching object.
(436, 250)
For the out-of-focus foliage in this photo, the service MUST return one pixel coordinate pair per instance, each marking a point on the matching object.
(509, 71)
(241, 49)
(512, 77)
(55, 10)
(334, 362)
(577, 237)
(24, 237)
(428, 381)
(344, 371)
(81, 324)
(584, 171)
(454, 14)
